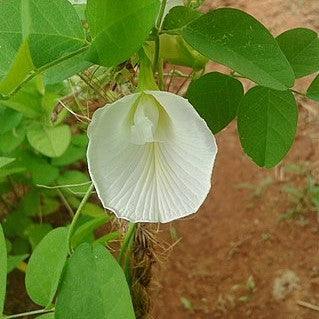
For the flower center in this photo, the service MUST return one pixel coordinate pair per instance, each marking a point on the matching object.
(145, 121)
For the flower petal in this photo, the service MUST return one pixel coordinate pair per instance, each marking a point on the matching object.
(151, 182)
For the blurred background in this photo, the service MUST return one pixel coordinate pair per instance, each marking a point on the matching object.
(252, 250)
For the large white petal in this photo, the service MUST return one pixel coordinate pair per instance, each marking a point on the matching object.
(156, 181)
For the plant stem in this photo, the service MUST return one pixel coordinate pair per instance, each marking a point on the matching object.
(66, 203)
(30, 313)
(42, 69)
(78, 213)
(157, 63)
(127, 242)
(299, 93)
(125, 253)
(161, 15)
(92, 86)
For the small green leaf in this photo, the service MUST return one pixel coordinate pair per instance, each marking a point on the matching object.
(216, 97)
(313, 90)
(101, 292)
(46, 316)
(15, 224)
(12, 139)
(9, 119)
(46, 265)
(20, 246)
(267, 123)
(119, 28)
(237, 40)
(3, 270)
(36, 232)
(30, 203)
(73, 154)
(28, 100)
(87, 229)
(93, 210)
(42, 172)
(301, 47)
(5, 161)
(15, 261)
(178, 17)
(51, 141)
(70, 178)
(175, 50)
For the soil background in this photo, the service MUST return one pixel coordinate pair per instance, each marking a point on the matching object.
(235, 258)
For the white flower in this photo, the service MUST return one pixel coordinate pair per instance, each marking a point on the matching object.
(151, 157)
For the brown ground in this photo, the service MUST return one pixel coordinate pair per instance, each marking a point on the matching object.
(237, 236)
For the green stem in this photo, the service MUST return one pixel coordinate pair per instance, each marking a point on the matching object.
(66, 203)
(161, 15)
(78, 213)
(30, 313)
(41, 70)
(127, 242)
(157, 63)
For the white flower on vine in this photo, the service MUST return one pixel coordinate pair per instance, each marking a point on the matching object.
(151, 157)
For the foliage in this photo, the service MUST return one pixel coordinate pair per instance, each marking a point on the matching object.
(58, 62)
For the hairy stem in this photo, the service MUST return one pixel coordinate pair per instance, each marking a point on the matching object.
(127, 243)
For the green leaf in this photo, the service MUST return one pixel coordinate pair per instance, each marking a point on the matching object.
(34, 34)
(36, 232)
(28, 100)
(301, 47)
(12, 139)
(20, 246)
(175, 50)
(9, 119)
(15, 261)
(15, 224)
(73, 154)
(30, 203)
(313, 90)
(178, 17)
(93, 210)
(87, 229)
(42, 172)
(5, 161)
(46, 265)
(79, 179)
(216, 97)
(267, 122)
(237, 40)
(51, 141)
(102, 292)
(49, 206)
(119, 28)
(3, 270)
(46, 316)
(66, 69)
